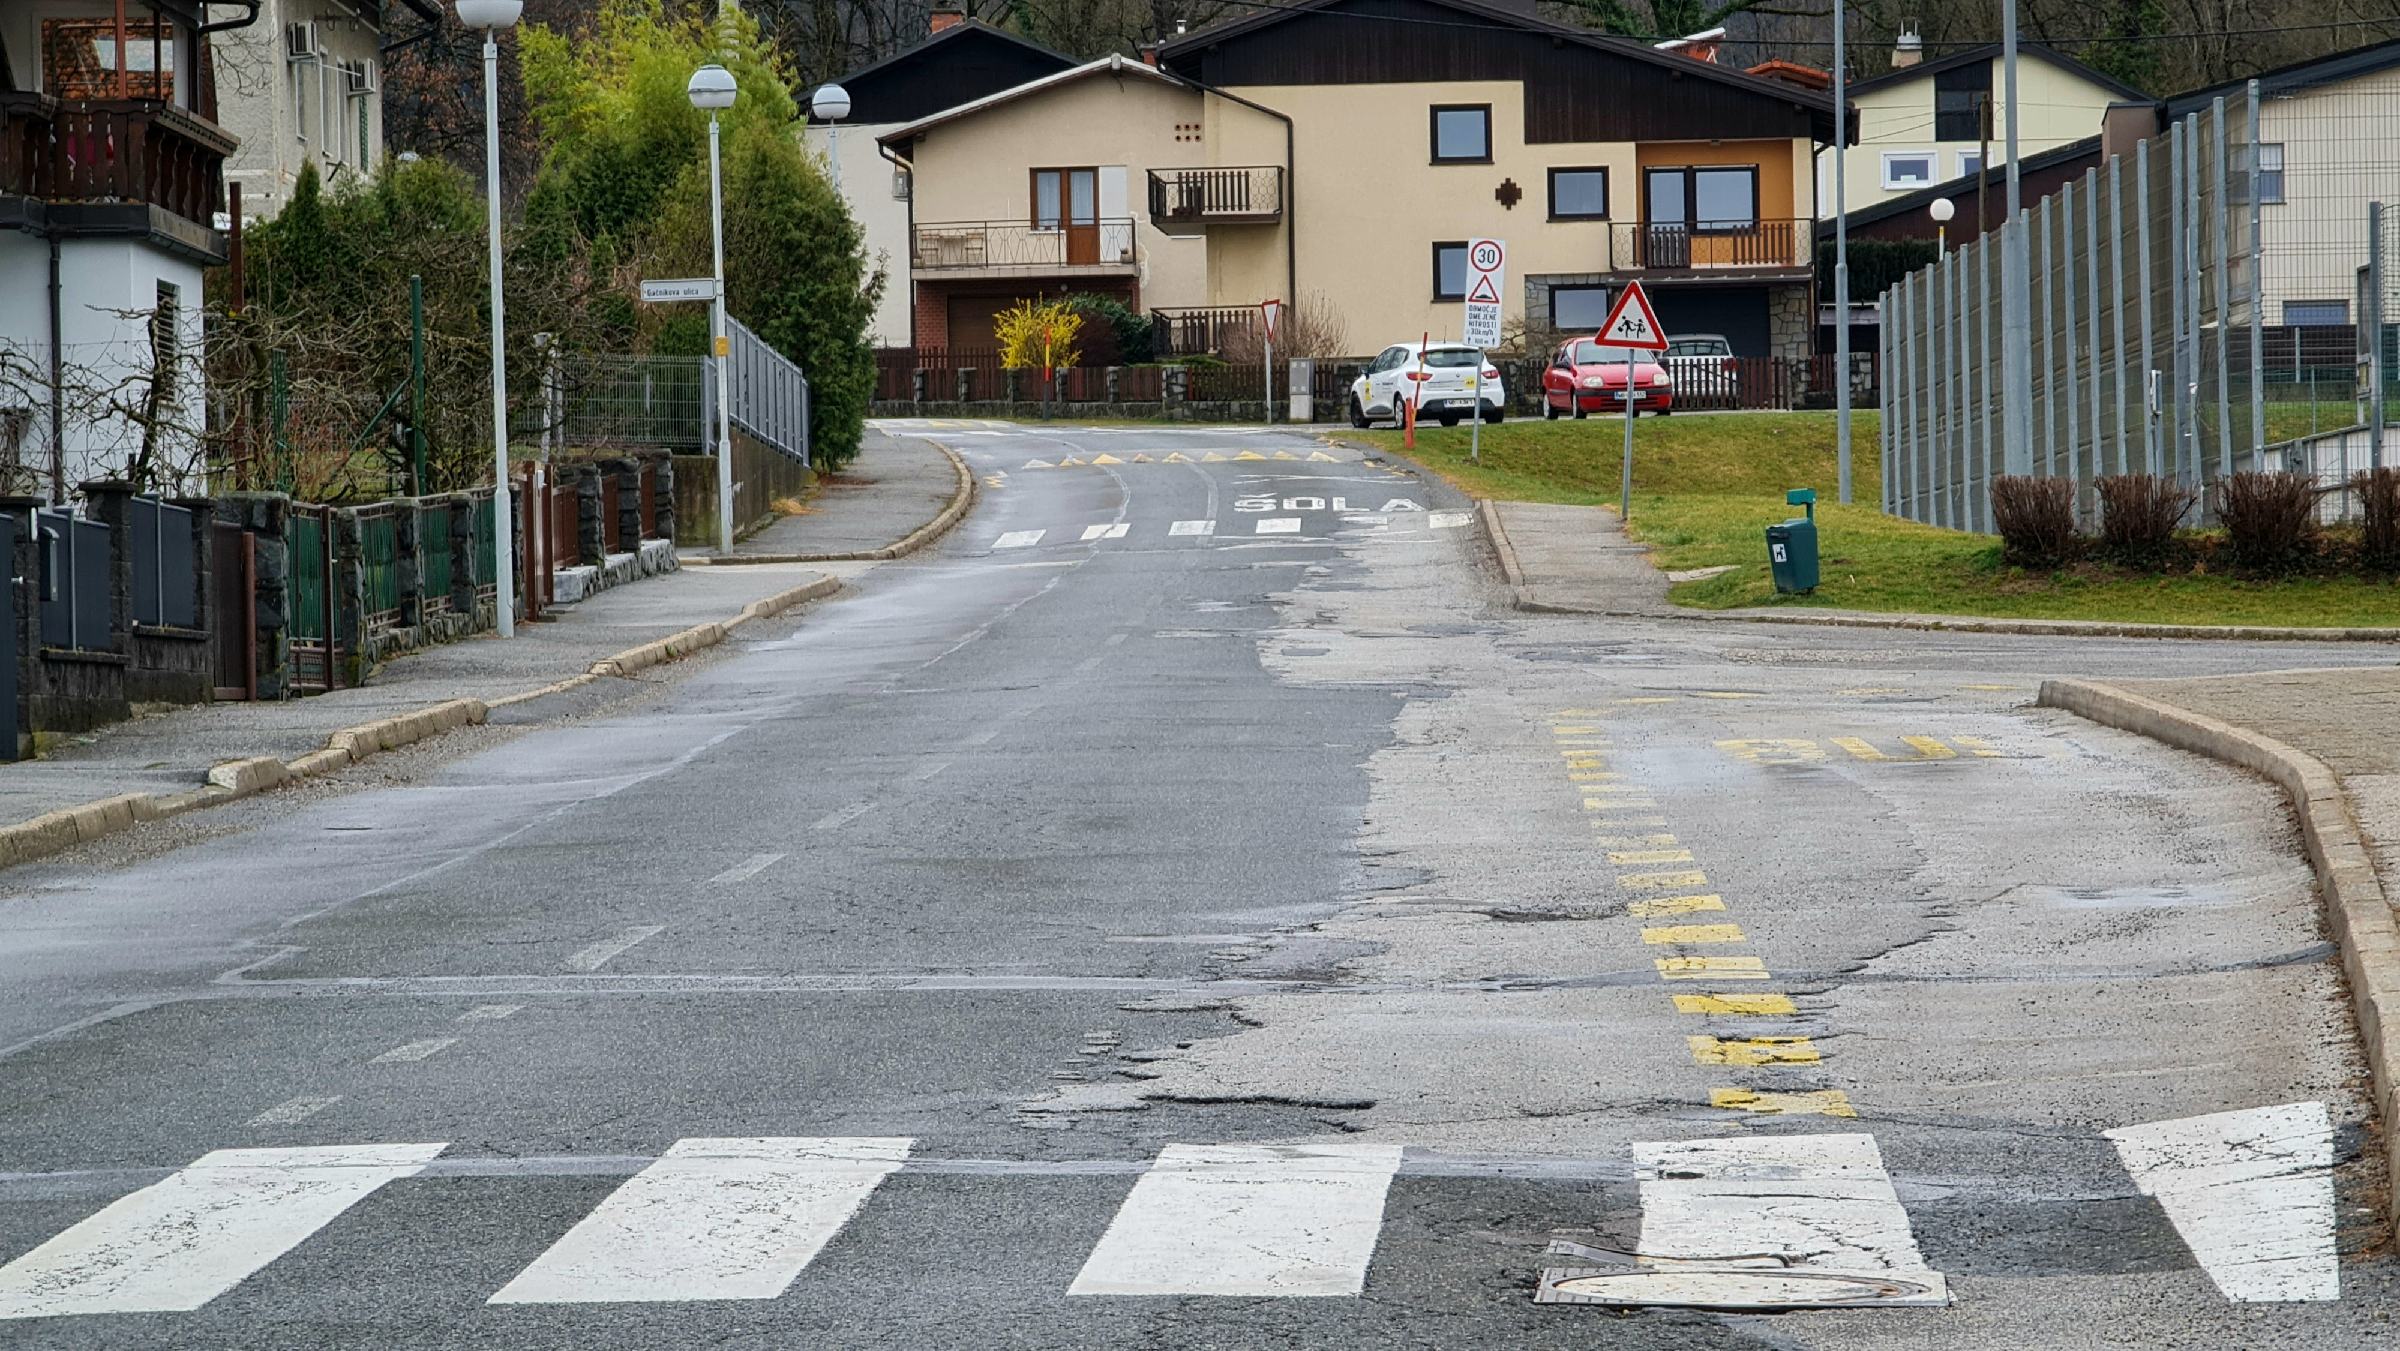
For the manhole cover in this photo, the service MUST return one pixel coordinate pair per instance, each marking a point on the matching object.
(1735, 1289)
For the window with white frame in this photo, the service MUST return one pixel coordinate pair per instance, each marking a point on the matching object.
(1578, 307)
(1907, 168)
(2270, 174)
(1970, 163)
(2316, 313)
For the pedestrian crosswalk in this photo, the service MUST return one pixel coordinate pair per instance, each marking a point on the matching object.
(745, 1218)
(1368, 524)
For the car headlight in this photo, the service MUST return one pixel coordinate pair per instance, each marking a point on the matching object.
(1591, 382)
(1661, 380)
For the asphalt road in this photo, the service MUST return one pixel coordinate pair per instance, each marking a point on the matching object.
(1209, 933)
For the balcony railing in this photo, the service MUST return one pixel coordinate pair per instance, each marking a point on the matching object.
(1234, 196)
(1763, 246)
(1014, 246)
(138, 151)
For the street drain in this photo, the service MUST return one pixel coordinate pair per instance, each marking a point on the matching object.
(1733, 1290)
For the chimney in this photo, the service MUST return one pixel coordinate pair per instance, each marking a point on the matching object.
(946, 18)
(1149, 53)
(1910, 49)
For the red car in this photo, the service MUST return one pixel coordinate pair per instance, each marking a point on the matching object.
(1586, 378)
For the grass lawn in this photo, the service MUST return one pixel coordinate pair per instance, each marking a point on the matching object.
(1706, 486)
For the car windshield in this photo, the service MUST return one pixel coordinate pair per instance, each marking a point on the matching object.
(1589, 353)
(1699, 347)
(1444, 357)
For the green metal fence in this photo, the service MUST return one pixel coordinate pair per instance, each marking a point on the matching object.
(305, 535)
(379, 567)
(433, 545)
(487, 567)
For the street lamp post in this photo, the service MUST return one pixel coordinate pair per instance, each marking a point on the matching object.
(712, 89)
(1941, 211)
(1841, 255)
(491, 16)
(829, 105)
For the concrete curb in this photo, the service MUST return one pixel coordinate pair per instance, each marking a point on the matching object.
(962, 499)
(2357, 910)
(55, 832)
(2051, 628)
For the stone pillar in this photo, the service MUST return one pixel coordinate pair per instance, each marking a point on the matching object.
(629, 502)
(1172, 383)
(965, 381)
(591, 536)
(266, 516)
(1012, 385)
(918, 379)
(347, 580)
(1058, 386)
(111, 504)
(1109, 381)
(663, 485)
(25, 574)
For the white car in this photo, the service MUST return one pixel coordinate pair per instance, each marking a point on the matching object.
(1445, 395)
(1704, 368)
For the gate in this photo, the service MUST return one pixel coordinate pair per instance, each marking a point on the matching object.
(164, 586)
(75, 601)
(233, 609)
(316, 657)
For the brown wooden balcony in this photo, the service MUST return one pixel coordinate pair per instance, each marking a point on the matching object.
(1768, 248)
(1185, 201)
(1011, 248)
(116, 166)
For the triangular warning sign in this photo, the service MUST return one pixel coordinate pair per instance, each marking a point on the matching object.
(1632, 323)
(1483, 292)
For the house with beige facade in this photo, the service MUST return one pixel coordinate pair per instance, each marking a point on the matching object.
(960, 60)
(1928, 122)
(1349, 149)
(302, 84)
(1032, 192)
(2329, 145)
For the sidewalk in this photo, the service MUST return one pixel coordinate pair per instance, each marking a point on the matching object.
(161, 765)
(895, 488)
(2331, 740)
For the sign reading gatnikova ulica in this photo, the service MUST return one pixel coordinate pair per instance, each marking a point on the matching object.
(692, 288)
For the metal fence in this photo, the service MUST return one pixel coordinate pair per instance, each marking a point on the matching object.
(768, 395)
(592, 400)
(2144, 322)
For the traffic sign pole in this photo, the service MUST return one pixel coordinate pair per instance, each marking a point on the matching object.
(1625, 485)
(1475, 428)
(1633, 326)
(1487, 278)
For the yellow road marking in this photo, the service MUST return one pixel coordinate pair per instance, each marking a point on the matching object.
(1573, 729)
(1176, 457)
(1285, 455)
(1581, 713)
(1626, 858)
(1593, 804)
(1711, 968)
(1662, 881)
(1693, 933)
(1752, 1051)
(1823, 1102)
(1321, 456)
(1649, 699)
(1774, 751)
(1632, 841)
(1249, 455)
(1212, 457)
(1931, 748)
(1674, 905)
(1039, 464)
(1593, 775)
(1863, 690)
(1141, 458)
(1756, 1005)
(1991, 687)
(1106, 459)
(1628, 789)
(1980, 748)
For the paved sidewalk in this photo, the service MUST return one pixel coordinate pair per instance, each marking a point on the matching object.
(2350, 719)
(894, 487)
(901, 487)
(1574, 558)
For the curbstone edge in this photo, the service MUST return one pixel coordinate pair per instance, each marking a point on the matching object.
(2358, 911)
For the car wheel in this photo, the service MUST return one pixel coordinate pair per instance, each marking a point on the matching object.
(1549, 409)
(1358, 414)
(1580, 413)
(1495, 413)
(1447, 419)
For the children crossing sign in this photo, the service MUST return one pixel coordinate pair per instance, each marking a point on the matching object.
(1632, 323)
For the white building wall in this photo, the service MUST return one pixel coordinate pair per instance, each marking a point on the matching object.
(867, 184)
(2341, 151)
(289, 112)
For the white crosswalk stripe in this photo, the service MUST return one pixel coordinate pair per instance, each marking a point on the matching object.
(1105, 531)
(1019, 539)
(179, 1243)
(1286, 525)
(1246, 1220)
(1448, 520)
(1193, 528)
(713, 1219)
(2252, 1194)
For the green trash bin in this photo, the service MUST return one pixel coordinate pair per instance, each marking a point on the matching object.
(1792, 546)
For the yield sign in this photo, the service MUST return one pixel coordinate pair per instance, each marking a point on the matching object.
(1632, 323)
(1483, 292)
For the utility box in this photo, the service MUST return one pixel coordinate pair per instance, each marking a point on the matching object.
(1302, 385)
(1792, 546)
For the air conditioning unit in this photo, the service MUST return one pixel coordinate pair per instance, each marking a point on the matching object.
(358, 80)
(300, 42)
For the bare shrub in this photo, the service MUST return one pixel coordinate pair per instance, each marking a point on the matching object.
(2270, 520)
(2379, 500)
(1312, 326)
(2139, 515)
(2035, 515)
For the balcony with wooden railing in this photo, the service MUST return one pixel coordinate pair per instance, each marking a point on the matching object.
(1011, 248)
(1184, 201)
(115, 164)
(1768, 248)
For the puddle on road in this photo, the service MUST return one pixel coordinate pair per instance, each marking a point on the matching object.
(2129, 898)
